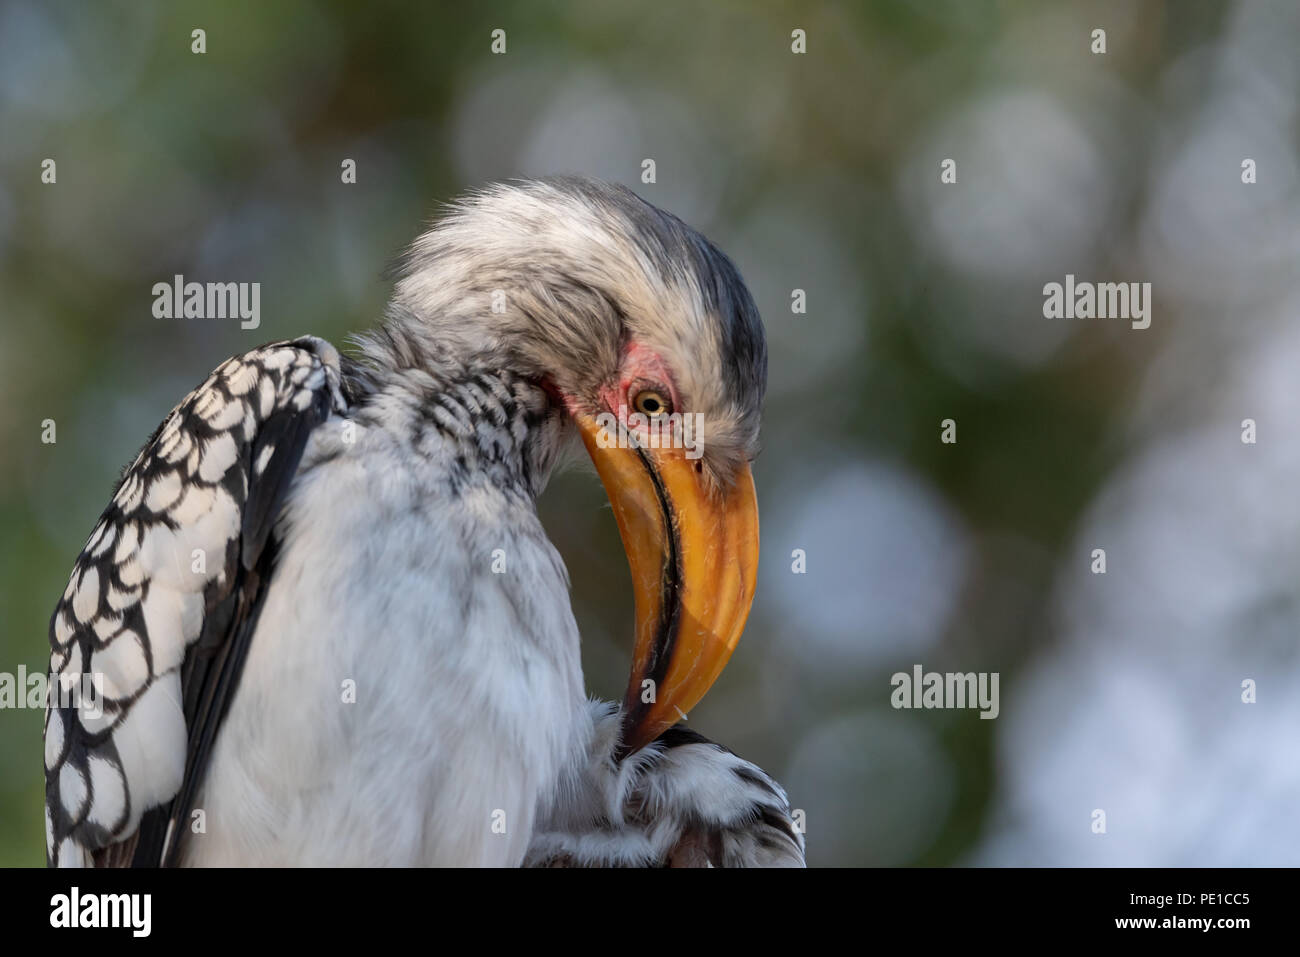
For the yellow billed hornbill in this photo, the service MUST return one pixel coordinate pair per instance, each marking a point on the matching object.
(327, 625)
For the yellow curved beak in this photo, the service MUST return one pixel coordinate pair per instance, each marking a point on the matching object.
(693, 553)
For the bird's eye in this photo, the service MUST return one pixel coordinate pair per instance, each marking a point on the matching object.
(651, 402)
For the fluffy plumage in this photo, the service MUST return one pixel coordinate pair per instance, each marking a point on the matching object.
(684, 801)
(326, 614)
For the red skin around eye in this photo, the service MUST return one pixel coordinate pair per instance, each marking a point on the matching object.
(640, 364)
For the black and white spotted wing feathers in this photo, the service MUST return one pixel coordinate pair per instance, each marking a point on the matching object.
(163, 600)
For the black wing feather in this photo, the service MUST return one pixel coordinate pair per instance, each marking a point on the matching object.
(267, 402)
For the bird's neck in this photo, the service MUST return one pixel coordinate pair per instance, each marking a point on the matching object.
(484, 422)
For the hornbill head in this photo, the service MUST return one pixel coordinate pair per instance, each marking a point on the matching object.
(647, 340)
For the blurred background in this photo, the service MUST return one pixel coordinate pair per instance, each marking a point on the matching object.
(817, 171)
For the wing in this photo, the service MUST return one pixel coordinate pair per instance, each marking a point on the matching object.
(150, 635)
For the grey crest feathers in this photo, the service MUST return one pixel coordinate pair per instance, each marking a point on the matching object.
(577, 267)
